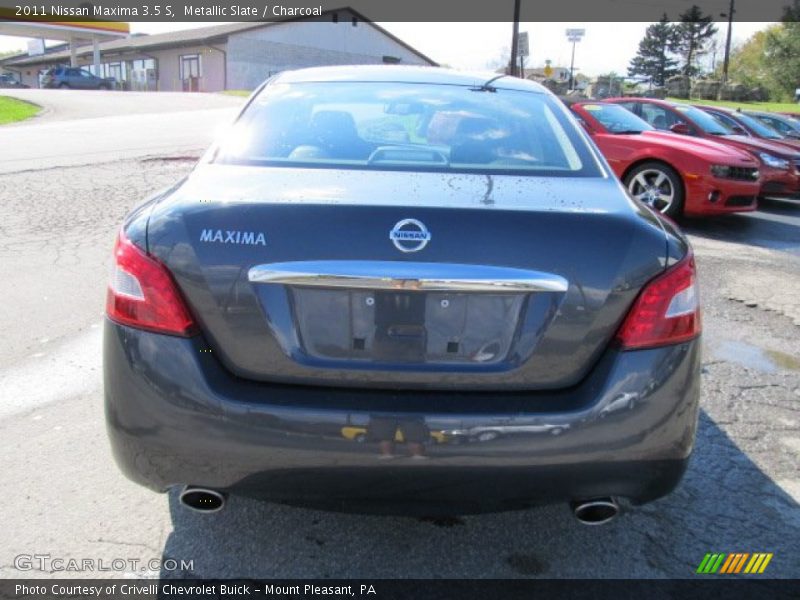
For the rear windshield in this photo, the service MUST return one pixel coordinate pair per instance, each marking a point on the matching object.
(407, 126)
(617, 119)
(760, 128)
(704, 121)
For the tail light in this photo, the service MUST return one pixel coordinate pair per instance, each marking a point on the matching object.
(142, 293)
(667, 310)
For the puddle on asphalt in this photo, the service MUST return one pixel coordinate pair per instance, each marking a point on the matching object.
(748, 355)
(783, 360)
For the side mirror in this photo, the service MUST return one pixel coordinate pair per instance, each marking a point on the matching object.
(681, 128)
(738, 130)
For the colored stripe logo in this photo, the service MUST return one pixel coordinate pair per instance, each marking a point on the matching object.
(737, 562)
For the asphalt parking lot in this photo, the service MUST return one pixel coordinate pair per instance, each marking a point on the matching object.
(83, 128)
(65, 497)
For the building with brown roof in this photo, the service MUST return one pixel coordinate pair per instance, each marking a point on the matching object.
(229, 56)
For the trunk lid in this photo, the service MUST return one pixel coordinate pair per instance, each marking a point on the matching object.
(308, 276)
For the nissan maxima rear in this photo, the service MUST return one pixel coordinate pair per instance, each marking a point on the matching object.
(374, 266)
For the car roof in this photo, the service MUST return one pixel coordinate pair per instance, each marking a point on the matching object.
(578, 101)
(584, 101)
(408, 74)
(658, 101)
(766, 113)
(723, 109)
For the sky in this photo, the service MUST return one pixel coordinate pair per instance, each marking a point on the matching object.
(605, 47)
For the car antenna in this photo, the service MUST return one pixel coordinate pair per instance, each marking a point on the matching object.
(487, 86)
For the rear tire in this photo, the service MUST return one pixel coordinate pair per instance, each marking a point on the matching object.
(658, 185)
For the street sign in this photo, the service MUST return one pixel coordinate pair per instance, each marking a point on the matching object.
(575, 35)
(522, 44)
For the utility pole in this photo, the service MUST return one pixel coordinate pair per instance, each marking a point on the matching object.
(572, 68)
(512, 64)
(574, 36)
(731, 10)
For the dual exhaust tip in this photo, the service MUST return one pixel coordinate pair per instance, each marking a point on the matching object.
(202, 499)
(596, 511)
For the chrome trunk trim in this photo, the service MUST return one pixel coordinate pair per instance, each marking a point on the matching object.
(412, 276)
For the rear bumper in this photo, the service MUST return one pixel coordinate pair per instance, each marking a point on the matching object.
(175, 416)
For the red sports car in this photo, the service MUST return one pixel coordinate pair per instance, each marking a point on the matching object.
(743, 124)
(672, 174)
(780, 166)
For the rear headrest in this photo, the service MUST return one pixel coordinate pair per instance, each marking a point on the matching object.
(334, 122)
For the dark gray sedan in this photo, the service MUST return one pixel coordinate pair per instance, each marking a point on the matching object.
(375, 259)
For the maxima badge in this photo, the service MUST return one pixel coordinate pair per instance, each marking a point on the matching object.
(410, 235)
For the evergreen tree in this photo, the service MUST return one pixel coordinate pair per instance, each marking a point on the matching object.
(693, 33)
(653, 59)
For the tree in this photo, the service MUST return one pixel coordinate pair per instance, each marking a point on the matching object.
(748, 61)
(791, 13)
(499, 64)
(782, 52)
(653, 59)
(693, 34)
(716, 46)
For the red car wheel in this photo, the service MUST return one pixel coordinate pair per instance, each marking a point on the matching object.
(658, 186)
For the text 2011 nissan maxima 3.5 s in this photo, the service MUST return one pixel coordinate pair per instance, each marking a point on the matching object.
(376, 266)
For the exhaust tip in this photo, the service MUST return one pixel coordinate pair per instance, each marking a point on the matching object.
(202, 500)
(597, 511)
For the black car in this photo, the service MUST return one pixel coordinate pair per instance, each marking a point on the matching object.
(7, 80)
(76, 78)
(402, 252)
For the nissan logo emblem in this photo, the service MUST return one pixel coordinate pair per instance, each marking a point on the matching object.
(410, 235)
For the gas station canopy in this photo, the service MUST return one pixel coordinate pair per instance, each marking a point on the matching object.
(55, 30)
(73, 32)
